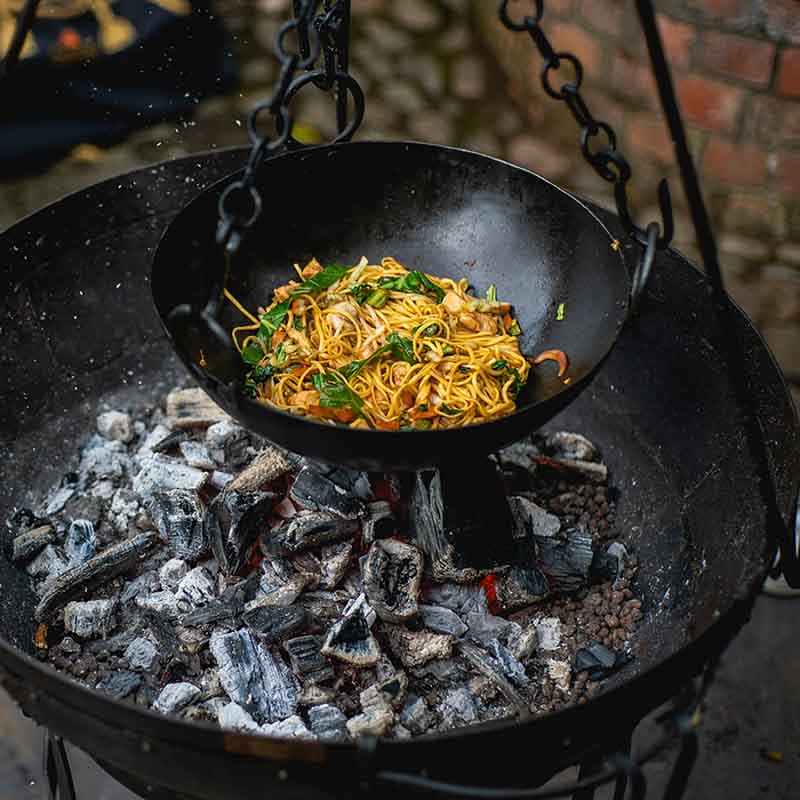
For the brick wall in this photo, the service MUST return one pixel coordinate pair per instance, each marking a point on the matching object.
(736, 65)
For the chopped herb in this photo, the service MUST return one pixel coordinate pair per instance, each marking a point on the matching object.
(518, 384)
(401, 349)
(413, 283)
(464, 369)
(422, 407)
(378, 298)
(281, 356)
(361, 291)
(272, 320)
(257, 376)
(252, 353)
(298, 324)
(560, 312)
(335, 393)
(499, 365)
(431, 330)
(448, 411)
(491, 294)
(422, 424)
(322, 280)
(515, 329)
(448, 350)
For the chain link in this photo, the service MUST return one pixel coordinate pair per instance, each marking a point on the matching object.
(607, 161)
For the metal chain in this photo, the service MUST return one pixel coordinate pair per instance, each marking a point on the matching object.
(606, 160)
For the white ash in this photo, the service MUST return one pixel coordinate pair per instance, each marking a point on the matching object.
(161, 474)
(172, 572)
(233, 717)
(103, 490)
(511, 667)
(48, 565)
(153, 439)
(291, 728)
(104, 459)
(485, 627)
(90, 618)
(175, 697)
(561, 673)
(548, 632)
(141, 654)
(124, 508)
(116, 425)
(458, 708)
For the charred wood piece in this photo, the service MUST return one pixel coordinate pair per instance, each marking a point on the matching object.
(334, 561)
(233, 522)
(178, 515)
(195, 590)
(307, 660)
(91, 618)
(571, 446)
(267, 466)
(103, 567)
(275, 623)
(510, 666)
(521, 586)
(599, 661)
(531, 520)
(392, 578)
(568, 469)
(306, 531)
(192, 408)
(566, 562)
(442, 620)
(328, 723)
(228, 444)
(119, 684)
(417, 648)
(380, 522)
(28, 544)
(488, 667)
(350, 640)
(169, 442)
(331, 490)
(81, 542)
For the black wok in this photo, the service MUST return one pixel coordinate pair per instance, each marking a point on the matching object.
(449, 212)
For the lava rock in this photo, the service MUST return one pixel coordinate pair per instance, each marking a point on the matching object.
(392, 577)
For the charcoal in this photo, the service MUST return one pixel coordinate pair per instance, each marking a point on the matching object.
(163, 633)
(116, 644)
(233, 717)
(315, 695)
(521, 586)
(291, 728)
(178, 515)
(195, 590)
(332, 490)
(120, 683)
(306, 658)
(141, 654)
(350, 639)
(392, 576)
(233, 522)
(415, 715)
(512, 669)
(519, 455)
(391, 690)
(457, 597)
(144, 584)
(228, 444)
(334, 561)
(531, 520)
(457, 708)
(571, 446)
(81, 542)
(286, 509)
(48, 565)
(267, 466)
(275, 572)
(69, 646)
(192, 408)
(274, 623)
(548, 633)
(416, 648)
(115, 560)
(374, 721)
(308, 565)
(489, 667)
(284, 595)
(28, 544)
(598, 660)
(254, 678)
(103, 459)
(116, 426)
(219, 480)
(442, 620)
(328, 723)
(163, 474)
(170, 442)
(618, 551)
(161, 603)
(196, 454)
(172, 572)
(175, 697)
(560, 674)
(569, 469)
(483, 627)
(380, 522)
(212, 611)
(307, 531)
(58, 499)
(566, 562)
(325, 607)
(191, 640)
(91, 618)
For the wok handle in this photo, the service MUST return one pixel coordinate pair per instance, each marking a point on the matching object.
(641, 274)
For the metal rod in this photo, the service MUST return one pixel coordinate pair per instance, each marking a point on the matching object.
(343, 48)
(24, 24)
(691, 184)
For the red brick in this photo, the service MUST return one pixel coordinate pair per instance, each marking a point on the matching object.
(648, 134)
(630, 78)
(710, 104)
(740, 165)
(566, 37)
(607, 17)
(773, 121)
(782, 19)
(747, 60)
(788, 83)
(678, 38)
(787, 172)
(759, 214)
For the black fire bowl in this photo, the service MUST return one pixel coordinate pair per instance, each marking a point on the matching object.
(78, 326)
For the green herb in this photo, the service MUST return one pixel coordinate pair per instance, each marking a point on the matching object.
(448, 350)
(515, 329)
(422, 424)
(448, 411)
(298, 324)
(491, 294)
(509, 372)
(413, 283)
(321, 281)
(281, 356)
(378, 298)
(431, 330)
(560, 311)
(464, 369)
(518, 384)
(499, 365)
(252, 353)
(335, 393)
(422, 407)
(272, 320)
(256, 376)
(401, 349)
(361, 291)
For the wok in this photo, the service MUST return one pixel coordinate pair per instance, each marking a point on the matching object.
(449, 212)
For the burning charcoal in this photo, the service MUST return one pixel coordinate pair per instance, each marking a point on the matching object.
(233, 717)
(161, 603)
(168, 442)
(560, 674)
(28, 544)
(524, 643)
(375, 721)
(415, 648)
(457, 597)
(392, 577)
(520, 455)
(574, 470)
(442, 620)
(531, 520)
(284, 595)
(330, 490)
(307, 565)
(267, 466)
(103, 459)
(253, 677)
(334, 561)
(548, 632)
(162, 474)
(571, 446)
(141, 654)
(291, 728)
(328, 723)
(415, 715)
(195, 589)
(350, 639)
(273, 624)
(91, 618)
(103, 567)
(457, 708)
(380, 522)
(485, 627)
(175, 697)
(566, 563)
(228, 444)
(520, 587)
(115, 425)
(120, 684)
(196, 454)
(512, 669)
(491, 669)
(598, 660)
(59, 499)
(192, 408)
(233, 523)
(306, 531)
(81, 542)
(172, 572)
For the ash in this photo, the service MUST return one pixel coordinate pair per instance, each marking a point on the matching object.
(190, 567)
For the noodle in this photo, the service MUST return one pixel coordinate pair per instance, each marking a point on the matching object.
(379, 346)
